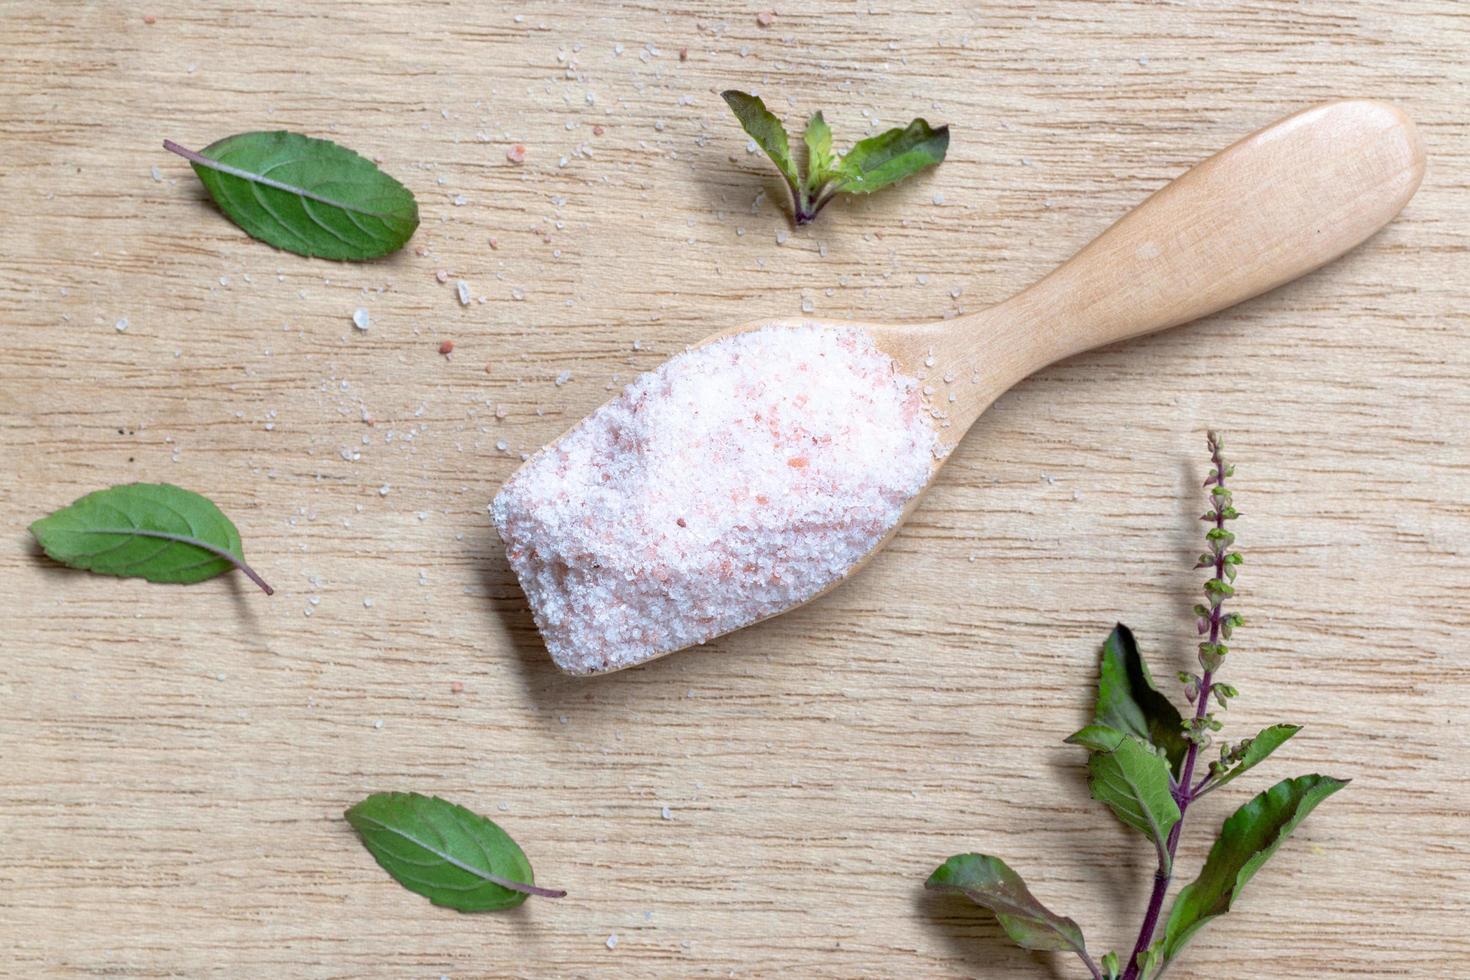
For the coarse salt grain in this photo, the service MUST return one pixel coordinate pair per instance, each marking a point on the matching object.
(737, 480)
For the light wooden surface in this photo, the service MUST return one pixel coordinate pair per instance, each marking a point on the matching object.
(174, 761)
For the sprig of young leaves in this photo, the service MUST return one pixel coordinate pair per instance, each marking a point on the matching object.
(870, 165)
(1141, 763)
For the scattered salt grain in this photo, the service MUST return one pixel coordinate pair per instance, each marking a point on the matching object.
(360, 319)
(383, 490)
(788, 452)
(462, 290)
(612, 941)
(121, 325)
(666, 813)
(939, 197)
(367, 603)
(378, 723)
(563, 378)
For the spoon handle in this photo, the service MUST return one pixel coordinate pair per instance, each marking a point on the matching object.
(1274, 206)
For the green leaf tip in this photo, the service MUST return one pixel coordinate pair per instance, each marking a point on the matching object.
(450, 855)
(1128, 701)
(1248, 839)
(153, 531)
(870, 165)
(305, 195)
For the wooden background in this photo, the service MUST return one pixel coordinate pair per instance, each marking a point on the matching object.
(174, 761)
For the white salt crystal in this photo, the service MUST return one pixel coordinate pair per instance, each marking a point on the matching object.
(739, 479)
(666, 813)
(462, 288)
(121, 325)
(612, 941)
(360, 319)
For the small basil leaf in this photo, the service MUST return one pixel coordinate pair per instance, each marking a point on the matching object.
(1247, 840)
(1268, 741)
(153, 531)
(1134, 782)
(452, 856)
(1151, 961)
(989, 881)
(890, 157)
(763, 127)
(305, 195)
(818, 139)
(1096, 738)
(1128, 701)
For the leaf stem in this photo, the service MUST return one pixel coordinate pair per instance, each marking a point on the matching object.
(201, 160)
(235, 560)
(1186, 792)
(1096, 973)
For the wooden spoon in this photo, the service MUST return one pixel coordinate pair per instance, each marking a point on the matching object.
(1274, 206)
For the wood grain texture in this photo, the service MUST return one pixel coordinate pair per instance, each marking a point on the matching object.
(176, 760)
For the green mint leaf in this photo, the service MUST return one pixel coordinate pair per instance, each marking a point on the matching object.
(1257, 749)
(153, 531)
(1133, 780)
(305, 195)
(1128, 701)
(889, 157)
(1247, 840)
(989, 882)
(452, 856)
(819, 159)
(763, 127)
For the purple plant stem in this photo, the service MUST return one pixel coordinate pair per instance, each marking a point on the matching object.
(1185, 792)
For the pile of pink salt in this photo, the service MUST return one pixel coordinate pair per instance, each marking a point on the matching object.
(735, 481)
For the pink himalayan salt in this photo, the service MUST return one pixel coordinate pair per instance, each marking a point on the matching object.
(735, 481)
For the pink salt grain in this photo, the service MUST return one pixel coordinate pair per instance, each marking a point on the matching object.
(735, 481)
